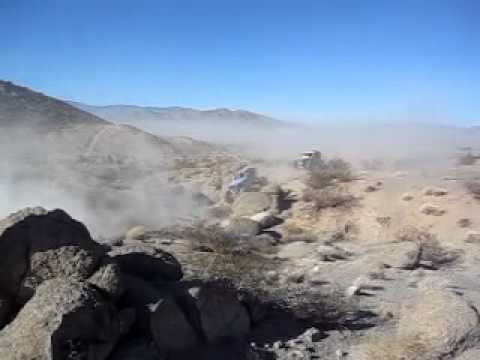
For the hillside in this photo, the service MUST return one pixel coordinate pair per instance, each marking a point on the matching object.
(58, 155)
(22, 106)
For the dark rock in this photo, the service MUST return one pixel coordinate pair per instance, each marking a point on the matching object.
(64, 319)
(170, 327)
(147, 262)
(42, 245)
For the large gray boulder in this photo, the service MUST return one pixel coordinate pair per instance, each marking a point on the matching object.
(434, 324)
(64, 320)
(251, 203)
(243, 228)
(43, 245)
(440, 320)
(146, 261)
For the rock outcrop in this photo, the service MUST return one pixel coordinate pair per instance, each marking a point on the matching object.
(64, 296)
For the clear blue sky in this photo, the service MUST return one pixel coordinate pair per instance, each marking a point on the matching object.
(315, 59)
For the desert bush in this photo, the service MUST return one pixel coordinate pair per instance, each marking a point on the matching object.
(328, 198)
(332, 170)
(432, 253)
(474, 188)
(467, 159)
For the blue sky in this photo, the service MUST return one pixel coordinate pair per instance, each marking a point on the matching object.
(315, 60)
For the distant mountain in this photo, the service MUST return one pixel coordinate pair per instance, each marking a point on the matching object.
(133, 114)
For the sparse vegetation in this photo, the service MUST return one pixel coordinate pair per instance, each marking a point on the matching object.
(474, 188)
(432, 253)
(333, 170)
(328, 198)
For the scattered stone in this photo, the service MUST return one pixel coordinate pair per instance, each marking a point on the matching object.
(407, 197)
(402, 255)
(136, 233)
(64, 320)
(435, 191)
(332, 253)
(430, 209)
(266, 219)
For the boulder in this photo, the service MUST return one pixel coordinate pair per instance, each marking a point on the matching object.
(243, 227)
(136, 233)
(440, 321)
(42, 245)
(251, 203)
(433, 324)
(222, 315)
(266, 219)
(407, 197)
(147, 262)
(67, 261)
(170, 327)
(109, 280)
(401, 255)
(64, 320)
(18, 216)
(332, 253)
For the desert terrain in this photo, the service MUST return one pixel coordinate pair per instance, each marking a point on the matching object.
(124, 239)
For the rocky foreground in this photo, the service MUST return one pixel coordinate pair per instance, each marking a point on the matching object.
(65, 296)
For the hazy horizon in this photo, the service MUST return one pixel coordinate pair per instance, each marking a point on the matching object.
(305, 60)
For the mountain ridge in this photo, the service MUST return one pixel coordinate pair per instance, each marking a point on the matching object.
(121, 113)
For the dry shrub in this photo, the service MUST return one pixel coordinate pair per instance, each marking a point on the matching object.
(467, 159)
(334, 170)
(229, 257)
(474, 188)
(328, 198)
(432, 253)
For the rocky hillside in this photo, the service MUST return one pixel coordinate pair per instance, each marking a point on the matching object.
(22, 106)
(58, 155)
